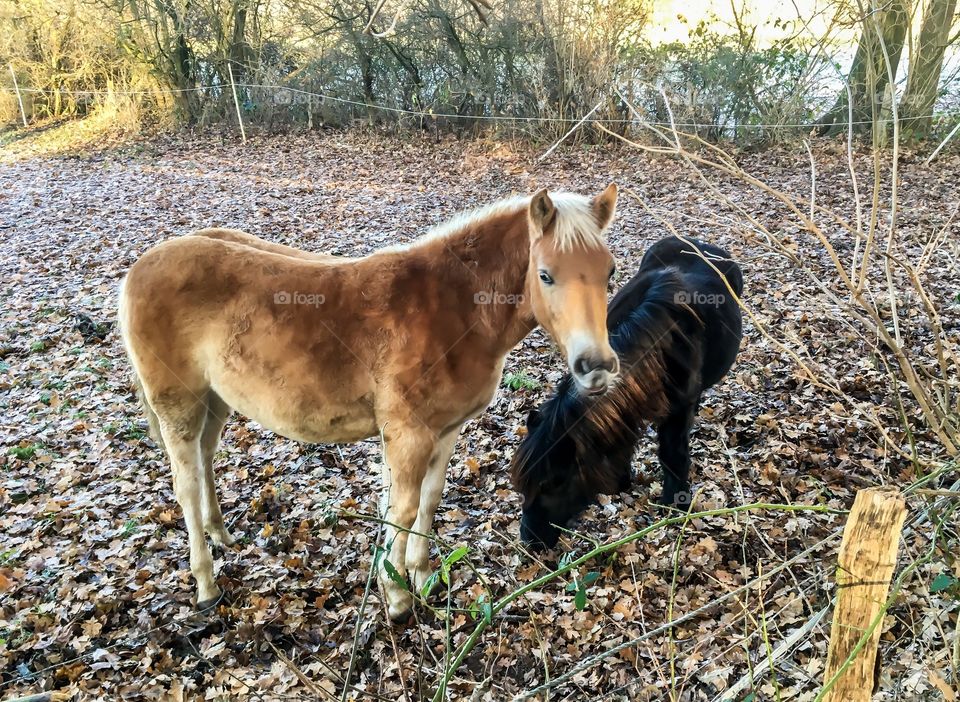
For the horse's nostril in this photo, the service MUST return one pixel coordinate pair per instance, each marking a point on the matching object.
(587, 364)
(582, 365)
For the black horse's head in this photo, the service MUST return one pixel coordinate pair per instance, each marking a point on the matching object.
(558, 476)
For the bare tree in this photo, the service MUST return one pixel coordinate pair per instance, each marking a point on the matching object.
(926, 64)
(883, 33)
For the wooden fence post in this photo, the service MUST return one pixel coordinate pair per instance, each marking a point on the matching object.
(16, 88)
(868, 556)
(236, 103)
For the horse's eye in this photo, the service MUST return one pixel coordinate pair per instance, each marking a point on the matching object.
(545, 277)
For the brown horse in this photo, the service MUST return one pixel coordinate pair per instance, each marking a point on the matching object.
(407, 343)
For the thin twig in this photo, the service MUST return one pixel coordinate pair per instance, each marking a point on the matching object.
(301, 676)
(571, 130)
(505, 601)
(953, 133)
(725, 164)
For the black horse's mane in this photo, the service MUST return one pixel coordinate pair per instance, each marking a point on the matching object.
(645, 331)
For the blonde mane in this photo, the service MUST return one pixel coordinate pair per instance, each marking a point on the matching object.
(575, 225)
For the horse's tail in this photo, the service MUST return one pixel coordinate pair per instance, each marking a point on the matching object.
(153, 422)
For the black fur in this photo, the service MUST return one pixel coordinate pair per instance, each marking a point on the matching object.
(677, 330)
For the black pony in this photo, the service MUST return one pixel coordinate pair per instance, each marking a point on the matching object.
(677, 330)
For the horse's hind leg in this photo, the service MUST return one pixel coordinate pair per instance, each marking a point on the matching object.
(217, 413)
(418, 547)
(673, 436)
(182, 417)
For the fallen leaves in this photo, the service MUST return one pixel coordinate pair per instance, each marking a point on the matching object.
(93, 562)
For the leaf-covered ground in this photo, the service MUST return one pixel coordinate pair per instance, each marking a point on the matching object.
(94, 581)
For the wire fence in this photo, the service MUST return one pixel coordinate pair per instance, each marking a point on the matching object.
(288, 96)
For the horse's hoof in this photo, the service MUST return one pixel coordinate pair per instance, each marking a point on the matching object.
(210, 603)
(223, 538)
(399, 616)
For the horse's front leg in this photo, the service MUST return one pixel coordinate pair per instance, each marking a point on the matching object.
(407, 452)
(673, 436)
(418, 546)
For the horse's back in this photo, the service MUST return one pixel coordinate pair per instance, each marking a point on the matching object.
(719, 312)
(195, 296)
(672, 251)
(236, 236)
(224, 258)
(180, 281)
(673, 271)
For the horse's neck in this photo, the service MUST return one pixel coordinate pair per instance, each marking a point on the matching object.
(493, 256)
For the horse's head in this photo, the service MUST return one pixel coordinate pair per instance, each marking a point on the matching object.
(567, 279)
(555, 474)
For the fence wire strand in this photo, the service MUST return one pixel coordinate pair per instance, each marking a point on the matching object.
(453, 115)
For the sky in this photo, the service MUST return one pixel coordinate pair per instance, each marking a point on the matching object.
(672, 20)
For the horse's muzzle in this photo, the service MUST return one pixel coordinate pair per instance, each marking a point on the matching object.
(595, 371)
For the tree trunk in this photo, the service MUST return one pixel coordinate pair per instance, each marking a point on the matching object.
(171, 52)
(365, 61)
(239, 53)
(923, 78)
(884, 27)
(552, 69)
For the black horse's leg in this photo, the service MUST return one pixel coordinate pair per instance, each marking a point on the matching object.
(673, 435)
(621, 464)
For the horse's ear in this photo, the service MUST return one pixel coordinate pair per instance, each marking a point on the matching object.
(605, 206)
(533, 419)
(542, 212)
